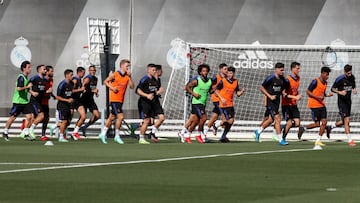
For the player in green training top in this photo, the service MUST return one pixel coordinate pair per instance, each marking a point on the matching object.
(21, 101)
(199, 87)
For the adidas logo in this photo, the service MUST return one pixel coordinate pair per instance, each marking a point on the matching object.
(254, 60)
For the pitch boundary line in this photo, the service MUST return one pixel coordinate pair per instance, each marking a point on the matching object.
(82, 165)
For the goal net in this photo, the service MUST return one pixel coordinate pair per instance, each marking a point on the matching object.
(253, 64)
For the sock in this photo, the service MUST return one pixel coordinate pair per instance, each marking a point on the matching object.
(349, 137)
(187, 134)
(76, 129)
(318, 139)
(86, 125)
(226, 130)
(26, 131)
(154, 130)
(260, 129)
(61, 135)
(6, 131)
(206, 129)
(141, 137)
(104, 130)
(117, 132)
(32, 127)
(217, 124)
(184, 130)
(279, 137)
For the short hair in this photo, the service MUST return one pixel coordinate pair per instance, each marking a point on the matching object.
(231, 69)
(92, 66)
(325, 69)
(68, 71)
(80, 69)
(24, 64)
(124, 61)
(38, 67)
(347, 68)
(279, 65)
(200, 67)
(151, 65)
(48, 67)
(158, 67)
(222, 65)
(294, 64)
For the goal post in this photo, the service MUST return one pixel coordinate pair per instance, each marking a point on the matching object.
(253, 63)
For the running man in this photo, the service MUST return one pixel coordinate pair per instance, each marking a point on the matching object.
(272, 88)
(37, 92)
(64, 97)
(216, 112)
(20, 101)
(77, 104)
(316, 102)
(343, 86)
(117, 83)
(289, 101)
(225, 90)
(45, 100)
(87, 98)
(199, 88)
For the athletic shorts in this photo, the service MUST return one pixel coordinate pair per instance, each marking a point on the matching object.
(228, 112)
(290, 112)
(344, 109)
(65, 114)
(273, 109)
(116, 108)
(36, 107)
(216, 108)
(318, 113)
(76, 104)
(198, 110)
(157, 108)
(17, 109)
(91, 105)
(145, 109)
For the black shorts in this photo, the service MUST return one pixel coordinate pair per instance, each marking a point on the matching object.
(157, 108)
(318, 113)
(36, 107)
(17, 109)
(228, 112)
(198, 110)
(272, 108)
(290, 112)
(217, 108)
(116, 108)
(65, 114)
(145, 109)
(91, 105)
(76, 104)
(344, 109)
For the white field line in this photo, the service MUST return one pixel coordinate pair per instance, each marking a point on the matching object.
(82, 165)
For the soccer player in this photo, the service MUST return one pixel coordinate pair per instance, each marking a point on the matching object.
(316, 102)
(147, 89)
(77, 104)
(343, 86)
(272, 88)
(37, 92)
(199, 87)
(289, 101)
(64, 97)
(20, 101)
(45, 100)
(87, 98)
(225, 90)
(216, 112)
(156, 105)
(117, 83)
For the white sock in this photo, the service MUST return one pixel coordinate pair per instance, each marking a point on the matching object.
(6, 131)
(141, 137)
(154, 130)
(76, 129)
(117, 133)
(206, 129)
(260, 129)
(105, 129)
(318, 139)
(217, 124)
(349, 137)
(32, 127)
(184, 130)
(26, 131)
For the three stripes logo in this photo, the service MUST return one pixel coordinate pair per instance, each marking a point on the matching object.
(250, 59)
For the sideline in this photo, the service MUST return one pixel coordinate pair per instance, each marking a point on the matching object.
(82, 165)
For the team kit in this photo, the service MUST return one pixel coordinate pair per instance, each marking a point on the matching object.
(76, 92)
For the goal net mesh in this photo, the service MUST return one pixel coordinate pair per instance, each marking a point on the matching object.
(253, 64)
